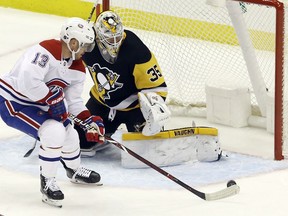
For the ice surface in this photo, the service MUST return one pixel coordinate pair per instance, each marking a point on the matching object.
(127, 192)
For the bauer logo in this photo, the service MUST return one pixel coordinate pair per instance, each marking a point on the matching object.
(184, 132)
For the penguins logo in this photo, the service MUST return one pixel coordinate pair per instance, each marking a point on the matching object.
(105, 80)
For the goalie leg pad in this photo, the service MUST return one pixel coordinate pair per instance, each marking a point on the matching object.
(170, 147)
(208, 150)
(155, 112)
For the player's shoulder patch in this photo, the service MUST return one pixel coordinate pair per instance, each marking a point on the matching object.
(53, 46)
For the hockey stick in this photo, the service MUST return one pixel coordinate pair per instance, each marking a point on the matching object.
(92, 11)
(226, 192)
(28, 153)
(232, 187)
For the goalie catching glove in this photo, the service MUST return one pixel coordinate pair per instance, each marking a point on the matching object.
(155, 112)
(95, 130)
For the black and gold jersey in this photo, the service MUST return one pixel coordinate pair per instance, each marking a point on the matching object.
(136, 69)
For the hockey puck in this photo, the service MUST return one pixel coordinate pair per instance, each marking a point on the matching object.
(230, 183)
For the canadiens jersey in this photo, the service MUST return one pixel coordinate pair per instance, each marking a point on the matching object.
(41, 68)
(136, 69)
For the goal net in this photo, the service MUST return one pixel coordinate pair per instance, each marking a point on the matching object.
(197, 42)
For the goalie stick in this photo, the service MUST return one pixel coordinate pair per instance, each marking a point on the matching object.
(96, 7)
(230, 190)
(92, 11)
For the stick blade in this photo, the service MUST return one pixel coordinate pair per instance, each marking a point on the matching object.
(227, 192)
(28, 153)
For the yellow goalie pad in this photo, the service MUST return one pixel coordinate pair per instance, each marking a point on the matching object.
(172, 133)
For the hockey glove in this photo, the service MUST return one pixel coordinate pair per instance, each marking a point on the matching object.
(57, 108)
(96, 131)
(155, 112)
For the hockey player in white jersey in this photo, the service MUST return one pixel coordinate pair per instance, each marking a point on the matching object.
(36, 96)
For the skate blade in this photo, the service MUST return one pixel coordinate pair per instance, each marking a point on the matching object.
(55, 203)
(85, 183)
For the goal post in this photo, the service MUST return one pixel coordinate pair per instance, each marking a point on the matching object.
(231, 42)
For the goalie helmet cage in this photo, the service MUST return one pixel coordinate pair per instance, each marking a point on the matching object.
(216, 41)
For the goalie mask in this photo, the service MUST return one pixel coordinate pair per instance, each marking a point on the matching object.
(82, 31)
(109, 35)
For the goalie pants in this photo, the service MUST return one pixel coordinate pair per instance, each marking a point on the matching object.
(133, 119)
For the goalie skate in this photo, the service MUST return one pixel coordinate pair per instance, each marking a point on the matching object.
(51, 193)
(91, 152)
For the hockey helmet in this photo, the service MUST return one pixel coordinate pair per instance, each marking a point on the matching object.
(81, 30)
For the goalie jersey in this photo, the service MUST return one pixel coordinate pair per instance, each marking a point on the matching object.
(136, 69)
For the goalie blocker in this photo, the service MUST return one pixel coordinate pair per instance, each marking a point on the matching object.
(172, 147)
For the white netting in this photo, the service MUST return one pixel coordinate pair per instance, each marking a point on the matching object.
(195, 44)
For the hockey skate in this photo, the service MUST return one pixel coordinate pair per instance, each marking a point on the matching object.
(51, 193)
(83, 176)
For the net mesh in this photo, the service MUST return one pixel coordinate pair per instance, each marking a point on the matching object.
(196, 44)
